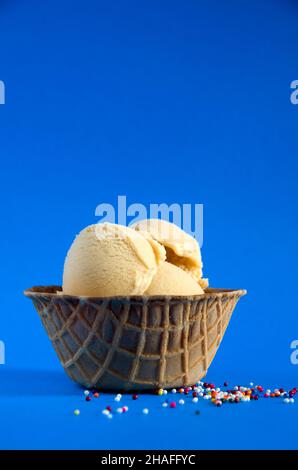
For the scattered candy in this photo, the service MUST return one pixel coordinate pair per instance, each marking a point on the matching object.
(207, 391)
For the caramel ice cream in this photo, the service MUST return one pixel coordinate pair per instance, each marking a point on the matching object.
(171, 280)
(182, 250)
(109, 260)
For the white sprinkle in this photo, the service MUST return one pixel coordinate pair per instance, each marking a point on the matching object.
(105, 412)
(164, 404)
(286, 400)
(174, 390)
(251, 384)
(86, 393)
(291, 400)
(181, 402)
(195, 400)
(119, 410)
(110, 415)
(117, 398)
(165, 392)
(145, 411)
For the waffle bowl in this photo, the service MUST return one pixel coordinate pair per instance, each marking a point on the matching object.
(135, 343)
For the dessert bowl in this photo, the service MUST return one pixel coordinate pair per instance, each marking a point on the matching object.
(136, 342)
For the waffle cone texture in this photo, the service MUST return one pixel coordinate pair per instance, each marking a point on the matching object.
(135, 343)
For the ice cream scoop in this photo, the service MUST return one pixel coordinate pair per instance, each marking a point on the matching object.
(182, 249)
(110, 260)
(171, 280)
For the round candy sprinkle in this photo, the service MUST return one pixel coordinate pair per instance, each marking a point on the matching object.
(125, 409)
(76, 412)
(173, 404)
(160, 392)
(174, 390)
(181, 402)
(86, 393)
(88, 398)
(165, 404)
(145, 411)
(96, 395)
(195, 400)
(135, 397)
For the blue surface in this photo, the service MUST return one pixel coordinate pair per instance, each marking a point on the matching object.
(163, 102)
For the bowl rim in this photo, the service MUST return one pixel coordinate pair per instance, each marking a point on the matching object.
(55, 291)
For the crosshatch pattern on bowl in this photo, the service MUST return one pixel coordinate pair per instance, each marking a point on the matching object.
(135, 343)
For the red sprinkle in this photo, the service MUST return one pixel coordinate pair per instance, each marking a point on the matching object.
(135, 397)
(109, 408)
(173, 404)
(96, 395)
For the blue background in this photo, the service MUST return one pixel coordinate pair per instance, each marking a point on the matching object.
(168, 101)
